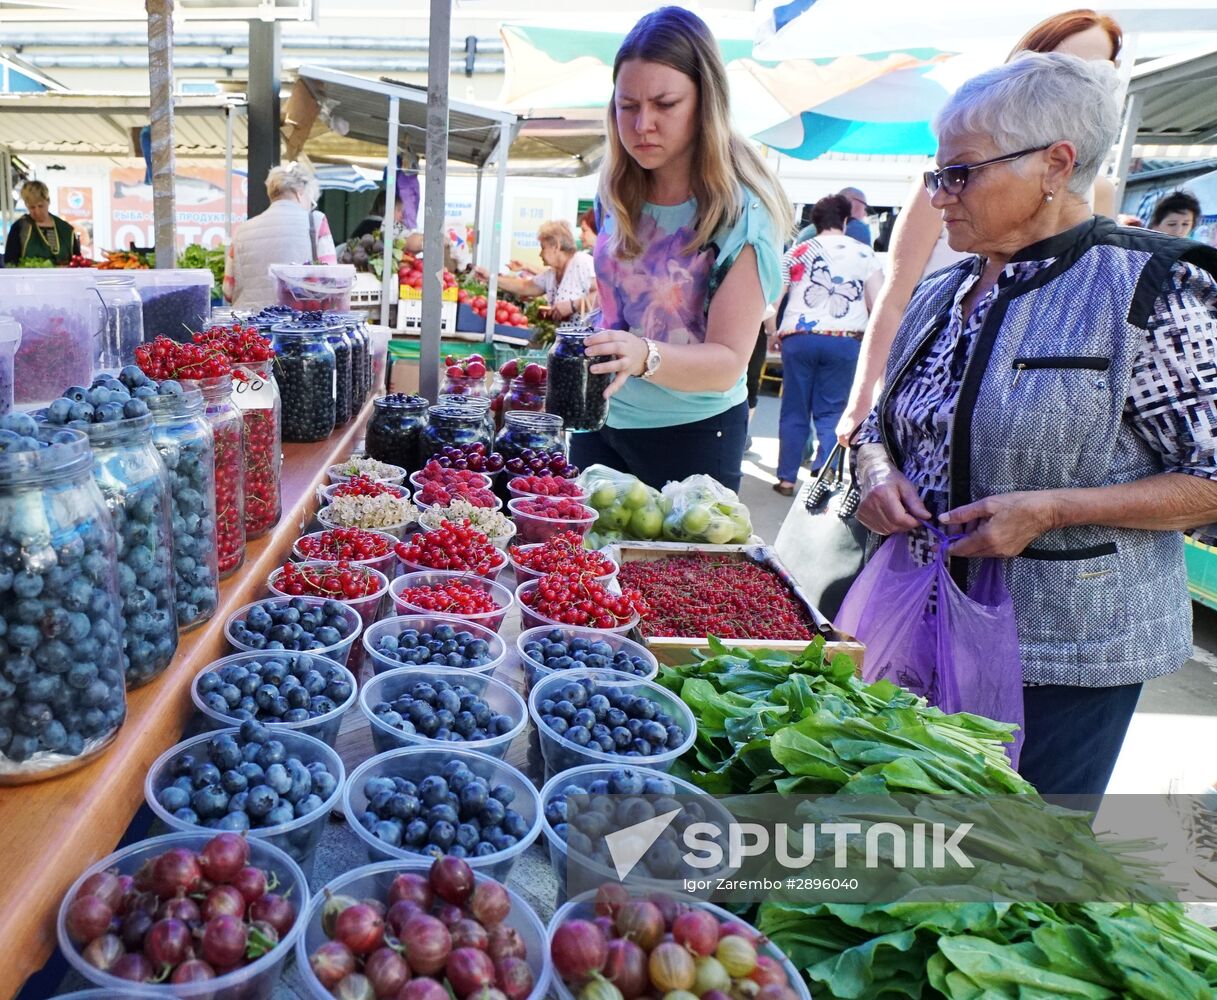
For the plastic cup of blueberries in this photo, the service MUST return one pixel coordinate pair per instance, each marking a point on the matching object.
(338, 651)
(388, 687)
(524, 574)
(258, 979)
(589, 870)
(393, 654)
(535, 669)
(417, 763)
(534, 619)
(324, 727)
(498, 593)
(373, 881)
(300, 837)
(536, 528)
(561, 753)
(382, 564)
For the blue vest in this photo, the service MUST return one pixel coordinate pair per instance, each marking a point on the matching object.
(1041, 407)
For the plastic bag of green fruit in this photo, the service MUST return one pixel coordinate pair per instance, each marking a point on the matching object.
(627, 507)
(701, 509)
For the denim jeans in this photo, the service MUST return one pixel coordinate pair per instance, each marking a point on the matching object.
(817, 371)
(712, 447)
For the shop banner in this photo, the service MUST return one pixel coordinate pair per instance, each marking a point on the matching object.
(200, 206)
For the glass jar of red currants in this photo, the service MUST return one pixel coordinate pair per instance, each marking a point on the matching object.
(256, 394)
(228, 429)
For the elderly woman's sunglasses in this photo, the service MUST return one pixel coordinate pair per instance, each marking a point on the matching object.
(955, 177)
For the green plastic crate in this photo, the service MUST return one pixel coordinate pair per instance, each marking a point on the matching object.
(1201, 571)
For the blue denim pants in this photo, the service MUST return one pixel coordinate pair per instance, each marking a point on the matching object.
(817, 372)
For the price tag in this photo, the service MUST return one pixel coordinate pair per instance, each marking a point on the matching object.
(256, 393)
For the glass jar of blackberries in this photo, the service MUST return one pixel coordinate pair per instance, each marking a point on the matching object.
(574, 393)
(228, 429)
(62, 691)
(183, 438)
(306, 370)
(135, 484)
(344, 387)
(394, 433)
(533, 432)
(454, 427)
(255, 393)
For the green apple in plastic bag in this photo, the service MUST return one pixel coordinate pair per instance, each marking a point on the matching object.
(603, 494)
(646, 523)
(719, 531)
(696, 520)
(674, 529)
(740, 520)
(636, 495)
(614, 518)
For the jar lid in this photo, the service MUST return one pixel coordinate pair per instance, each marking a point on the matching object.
(455, 412)
(10, 329)
(297, 329)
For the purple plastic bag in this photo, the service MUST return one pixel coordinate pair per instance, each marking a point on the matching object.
(959, 651)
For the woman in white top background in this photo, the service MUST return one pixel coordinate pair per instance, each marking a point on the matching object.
(833, 280)
(918, 244)
(569, 279)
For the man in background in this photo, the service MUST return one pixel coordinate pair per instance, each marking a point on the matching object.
(856, 226)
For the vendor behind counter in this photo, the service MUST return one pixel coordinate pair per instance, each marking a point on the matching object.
(39, 235)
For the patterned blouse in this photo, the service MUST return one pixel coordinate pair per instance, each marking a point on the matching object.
(1182, 327)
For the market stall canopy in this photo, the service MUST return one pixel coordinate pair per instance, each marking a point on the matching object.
(78, 124)
(331, 113)
(813, 29)
(1176, 99)
(568, 72)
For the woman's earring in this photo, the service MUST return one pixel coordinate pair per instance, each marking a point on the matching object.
(1048, 196)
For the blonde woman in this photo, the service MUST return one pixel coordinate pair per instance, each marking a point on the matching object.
(290, 231)
(569, 278)
(687, 259)
(39, 235)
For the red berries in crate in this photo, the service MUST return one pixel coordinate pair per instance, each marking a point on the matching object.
(564, 555)
(452, 547)
(339, 580)
(353, 544)
(547, 486)
(582, 601)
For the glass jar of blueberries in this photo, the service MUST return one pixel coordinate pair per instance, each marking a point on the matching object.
(573, 392)
(476, 404)
(525, 431)
(452, 426)
(361, 356)
(394, 433)
(182, 436)
(228, 430)
(132, 478)
(306, 370)
(62, 691)
(344, 387)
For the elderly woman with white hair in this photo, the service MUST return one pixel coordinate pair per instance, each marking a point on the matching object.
(1053, 400)
(290, 231)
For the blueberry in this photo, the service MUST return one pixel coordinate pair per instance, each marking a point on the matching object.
(173, 798)
(262, 799)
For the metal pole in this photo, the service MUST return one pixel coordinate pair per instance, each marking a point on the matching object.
(1128, 139)
(388, 273)
(496, 230)
(265, 60)
(228, 174)
(160, 98)
(433, 212)
(477, 218)
(6, 188)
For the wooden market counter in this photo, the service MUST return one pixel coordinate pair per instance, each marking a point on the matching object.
(50, 831)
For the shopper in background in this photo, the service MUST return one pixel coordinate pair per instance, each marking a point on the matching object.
(1049, 401)
(1130, 220)
(856, 226)
(588, 230)
(39, 235)
(688, 258)
(376, 218)
(568, 281)
(290, 231)
(833, 280)
(919, 244)
(1176, 214)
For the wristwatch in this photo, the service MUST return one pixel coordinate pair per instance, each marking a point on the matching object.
(653, 358)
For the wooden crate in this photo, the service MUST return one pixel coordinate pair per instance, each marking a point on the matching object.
(679, 649)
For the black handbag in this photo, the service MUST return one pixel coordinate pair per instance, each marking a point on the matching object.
(821, 541)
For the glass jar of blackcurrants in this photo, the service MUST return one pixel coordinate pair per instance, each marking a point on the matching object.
(533, 432)
(64, 696)
(344, 387)
(183, 438)
(361, 357)
(395, 431)
(452, 426)
(135, 484)
(306, 370)
(574, 393)
(256, 394)
(228, 430)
